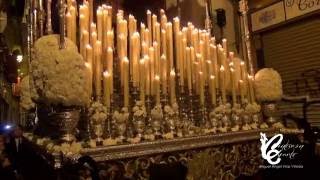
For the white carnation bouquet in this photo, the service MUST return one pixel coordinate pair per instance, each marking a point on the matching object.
(27, 94)
(268, 85)
(139, 110)
(237, 109)
(156, 112)
(253, 108)
(122, 116)
(59, 74)
(98, 112)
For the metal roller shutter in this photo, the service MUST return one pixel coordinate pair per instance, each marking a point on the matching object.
(292, 50)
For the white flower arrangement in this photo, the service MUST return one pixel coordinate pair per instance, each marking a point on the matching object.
(97, 112)
(222, 109)
(268, 85)
(253, 108)
(121, 117)
(59, 74)
(139, 110)
(27, 93)
(68, 149)
(156, 112)
(168, 110)
(237, 109)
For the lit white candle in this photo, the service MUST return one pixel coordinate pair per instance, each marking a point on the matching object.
(223, 84)
(213, 90)
(99, 23)
(189, 73)
(169, 45)
(98, 68)
(126, 81)
(172, 87)
(142, 80)
(106, 88)
(164, 74)
(157, 88)
(110, 66)
(201, 80)
(233, 88)
(250, 82)
(241, 86)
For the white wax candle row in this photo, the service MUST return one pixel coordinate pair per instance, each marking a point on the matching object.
(156, 54)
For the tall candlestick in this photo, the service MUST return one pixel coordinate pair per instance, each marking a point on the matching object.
(126, 82)
(189, 63)
(98, 68)
(84, 42)
(69, 24)
(148, 75)
(110, 66)
(106, 88)
(224, 45)
(234, 97)
(213, 90)
(244, 76)
(163, 21)
(89, 76)
(169, 45)
(74, 24)
(157, 88)
(250, 81)
(100, 23)
(142, 80)
(172, 87)
(164, 73)
(201, 80)
(89, 60)
(163, 43)
(214, 59)
(90, 10)
(152, 68)
(154, 22)
(241, 86)
(149, 23)
(223, 84)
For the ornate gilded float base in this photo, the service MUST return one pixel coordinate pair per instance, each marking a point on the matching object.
(221, 162)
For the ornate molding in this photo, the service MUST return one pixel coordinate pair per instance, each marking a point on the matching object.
(167, 146)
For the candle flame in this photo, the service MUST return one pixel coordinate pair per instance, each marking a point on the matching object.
(88, 46)
(94, 34)
(157, 77)
(87, 65)
(125, 60)
(212, 77)
(242, 63)
(221, 68)
(172, 73)
(224, 40)
(106, 74)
